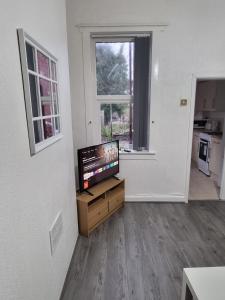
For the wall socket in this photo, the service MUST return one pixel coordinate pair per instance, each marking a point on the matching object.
(56, 232)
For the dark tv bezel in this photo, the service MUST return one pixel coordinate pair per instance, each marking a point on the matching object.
(81, 189)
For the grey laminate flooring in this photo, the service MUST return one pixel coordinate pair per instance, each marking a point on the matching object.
(202, 187)
(140, 252)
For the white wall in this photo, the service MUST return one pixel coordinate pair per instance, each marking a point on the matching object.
(33, 189)
(192, 43)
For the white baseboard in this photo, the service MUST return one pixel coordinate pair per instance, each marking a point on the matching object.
(155, 198)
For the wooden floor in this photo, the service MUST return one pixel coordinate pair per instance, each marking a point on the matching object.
(202, 187)
(140, 252)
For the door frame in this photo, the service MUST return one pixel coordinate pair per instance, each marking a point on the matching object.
(205, 76)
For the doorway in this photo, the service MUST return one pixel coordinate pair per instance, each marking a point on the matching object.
(207, 143)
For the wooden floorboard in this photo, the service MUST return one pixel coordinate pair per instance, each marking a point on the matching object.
(139, 253)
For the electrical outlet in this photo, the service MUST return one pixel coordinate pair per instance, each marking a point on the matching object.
(56, 232)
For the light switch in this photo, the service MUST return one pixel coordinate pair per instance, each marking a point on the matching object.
(183, 102)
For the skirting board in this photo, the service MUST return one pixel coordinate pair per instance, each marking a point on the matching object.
(155, 198)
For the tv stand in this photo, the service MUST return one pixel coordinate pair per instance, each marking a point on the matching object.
(99, 203)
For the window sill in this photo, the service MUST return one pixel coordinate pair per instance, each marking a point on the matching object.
(138, 155)
(41, 146)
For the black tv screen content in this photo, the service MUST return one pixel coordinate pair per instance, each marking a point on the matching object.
(97, 163)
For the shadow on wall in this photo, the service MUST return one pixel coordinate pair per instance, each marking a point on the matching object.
(77, 177)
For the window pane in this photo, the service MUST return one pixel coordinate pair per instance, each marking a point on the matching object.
(53, 70)
(48, 128)
(30, 57)
(116, 123)
(46, 99)
(37, 132)
(57, 125)
(55, 98)
(106, 130)
(114, 68)
(43, 64)
(34, 95)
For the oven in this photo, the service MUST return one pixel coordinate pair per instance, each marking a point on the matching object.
(204, 153)
(203, 149)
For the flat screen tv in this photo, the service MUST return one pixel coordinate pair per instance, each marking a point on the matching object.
(96, 163)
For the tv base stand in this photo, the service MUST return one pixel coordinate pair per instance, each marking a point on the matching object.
(99, 204)
(116, 177)
(88, 192)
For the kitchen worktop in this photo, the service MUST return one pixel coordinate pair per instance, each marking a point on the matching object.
(215, 152)
(214, 135)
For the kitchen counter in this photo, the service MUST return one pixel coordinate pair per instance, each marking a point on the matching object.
(217, 135)
(215, 150)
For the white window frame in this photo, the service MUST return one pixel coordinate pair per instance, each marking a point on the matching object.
(108, 99)
(23, 37)
(114, 39)
(88, 31)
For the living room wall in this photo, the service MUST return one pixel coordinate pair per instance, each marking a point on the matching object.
(33, 189)
(192, 43)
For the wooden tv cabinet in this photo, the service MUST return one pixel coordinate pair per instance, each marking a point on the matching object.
(108, 197)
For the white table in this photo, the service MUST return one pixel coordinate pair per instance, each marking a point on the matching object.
(203, 283)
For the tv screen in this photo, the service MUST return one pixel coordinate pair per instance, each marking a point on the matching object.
(96, 163)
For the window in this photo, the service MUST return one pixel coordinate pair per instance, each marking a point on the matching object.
(39, 70)
(116, 123)
(114, 74)
(122, 89)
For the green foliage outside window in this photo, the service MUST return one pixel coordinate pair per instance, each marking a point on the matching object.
(113, 79)
(112, 71)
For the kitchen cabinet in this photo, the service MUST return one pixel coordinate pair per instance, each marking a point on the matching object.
(206, 92)
(215, 159)
(210, 96)
(220, 95)
(215, 155)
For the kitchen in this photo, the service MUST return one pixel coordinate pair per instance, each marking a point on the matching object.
(208, 140)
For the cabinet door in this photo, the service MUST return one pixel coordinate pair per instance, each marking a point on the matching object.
(206, 96)
(215, 157)
(220, 95)
(199, 97)
(211, 96)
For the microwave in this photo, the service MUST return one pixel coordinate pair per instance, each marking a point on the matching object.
(200, 123)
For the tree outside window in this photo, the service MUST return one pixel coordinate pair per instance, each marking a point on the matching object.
(114, 72)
